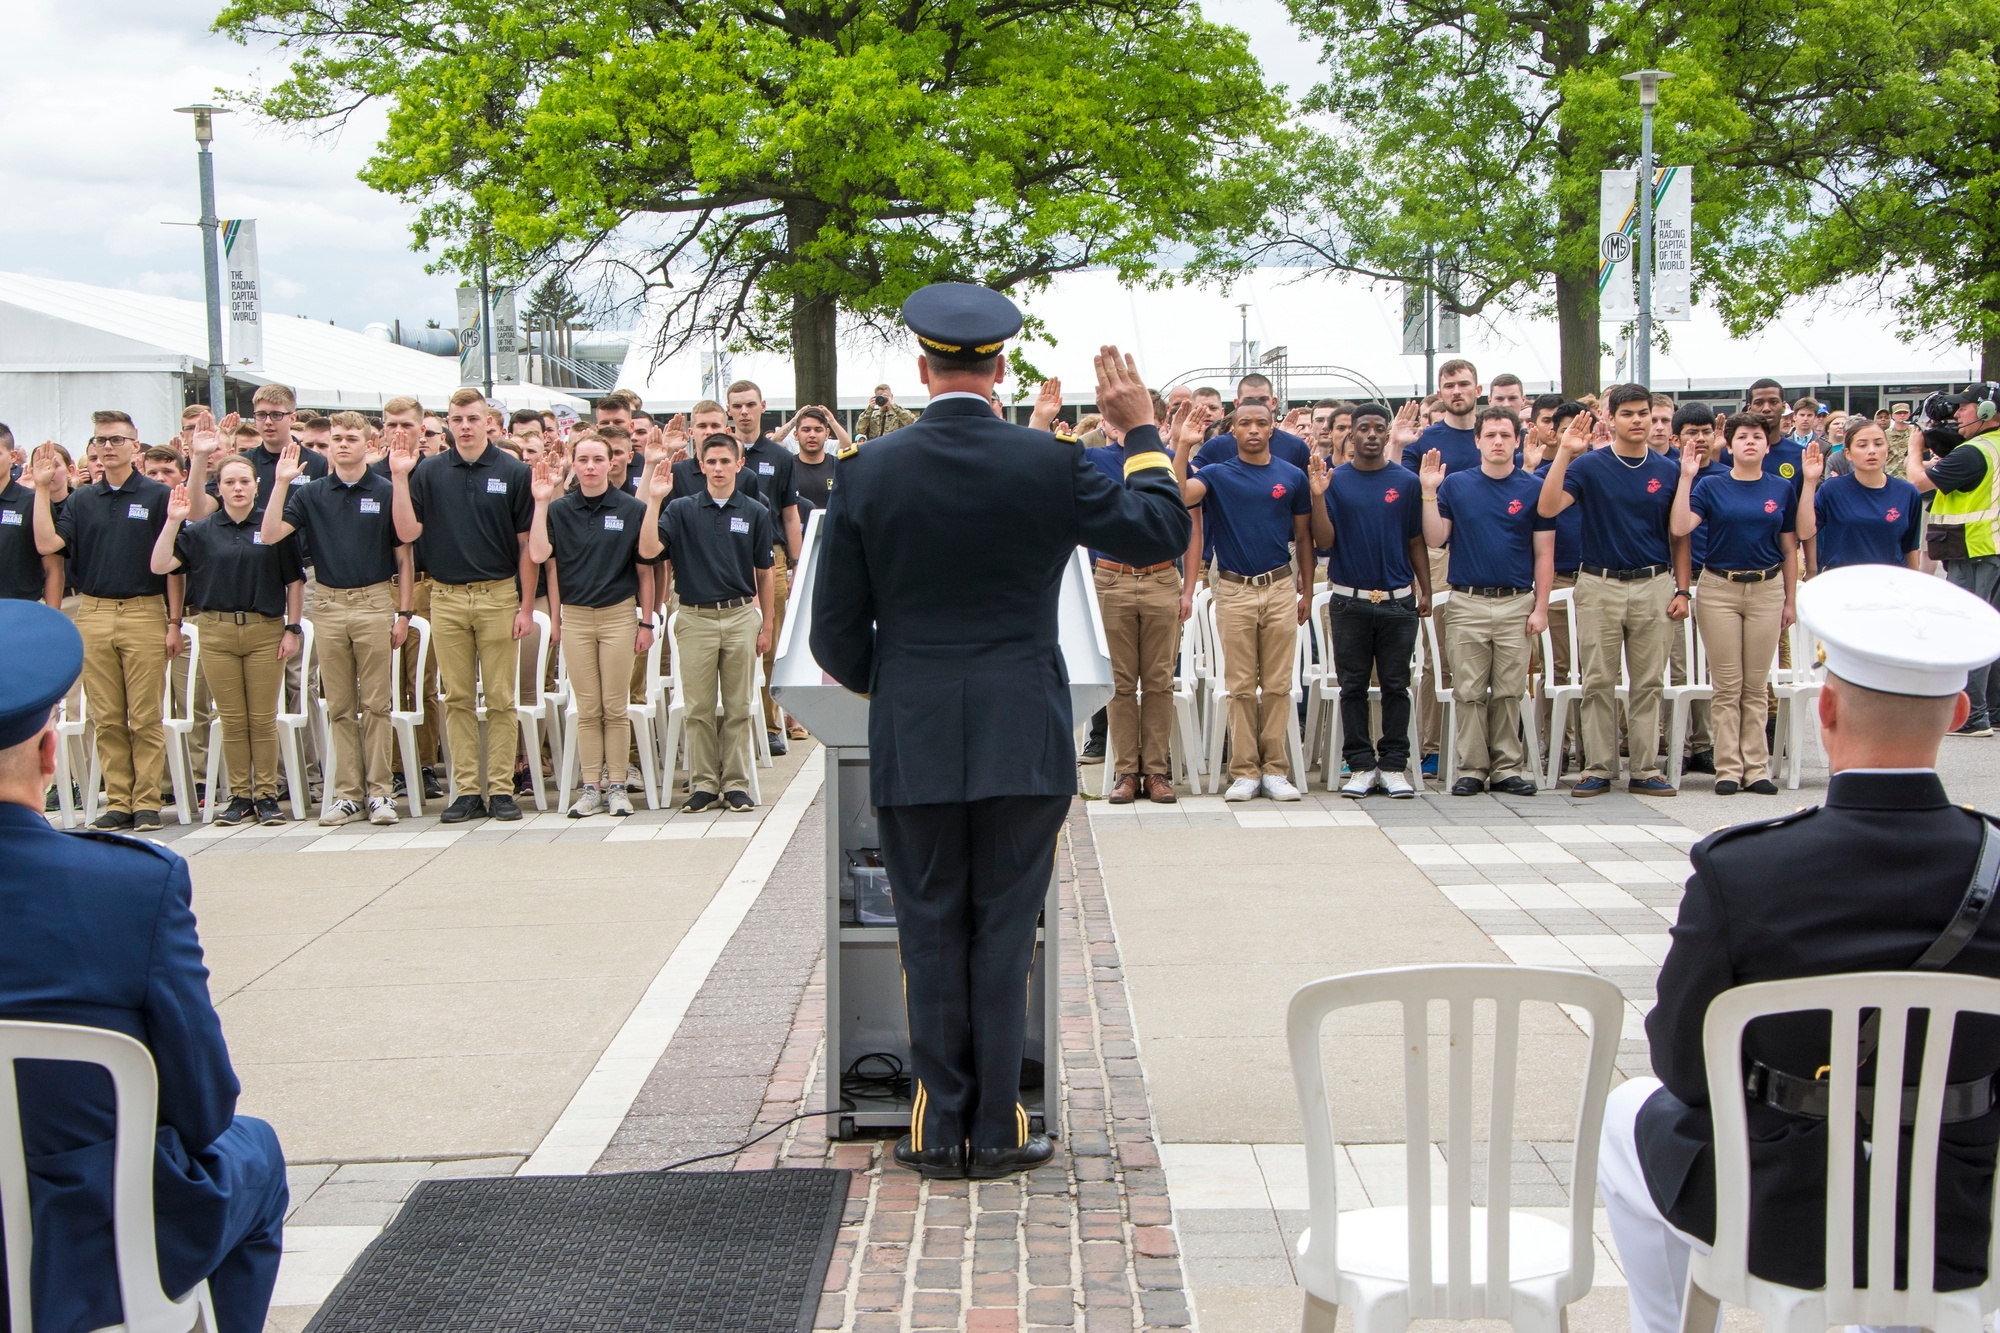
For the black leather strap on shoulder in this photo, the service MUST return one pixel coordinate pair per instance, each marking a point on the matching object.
(1965, 923)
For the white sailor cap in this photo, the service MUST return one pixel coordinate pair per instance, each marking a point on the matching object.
(1888, 628)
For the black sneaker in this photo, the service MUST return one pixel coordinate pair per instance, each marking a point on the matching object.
(1701, 761)
(503, 808)
(398, 788)
(1515, 786)
(241, 810)
(433, 789)
(778, 746)
(700, 801)
(145, 821)
(112, 820)
(1762, 787)
(1726, 787)
(462, 809)
(268, 812)
(1468, 786)
(524, 783)
(1972, 728)
(1093, 752)
(738, 800)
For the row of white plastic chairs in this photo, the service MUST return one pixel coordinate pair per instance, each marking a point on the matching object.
(1201, 699)
(549, 710)
(1390, 1264)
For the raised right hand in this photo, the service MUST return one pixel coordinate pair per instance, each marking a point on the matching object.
(1404, 430)
(288, 468)
(177, 504)
(1122, 396)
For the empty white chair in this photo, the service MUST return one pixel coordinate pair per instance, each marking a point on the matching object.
(405, 721)
(1722, 1274)
(1561, 691)
(1427, 642)
(148, 1309)
(1395, 1264)
(1679, 699)
(1798, 692)
(538, 714)
(294, 717)
(1187, 754)
(76, 763)
(177, 720)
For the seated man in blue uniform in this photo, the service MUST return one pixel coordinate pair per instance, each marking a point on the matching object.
(96, 930)
(940, 572)
(1875, 880)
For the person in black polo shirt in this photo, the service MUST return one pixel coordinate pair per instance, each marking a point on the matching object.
(717, 547)
(130, 617)
(1502, 560)
(593, 535)
(247, 598)
(25, 573)
(772, 465)
(472, 505)
(366, 584)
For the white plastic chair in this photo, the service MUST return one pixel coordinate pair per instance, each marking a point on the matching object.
(75, 754)
(177, 721)
(1187, 755)
(1320, 661)
(1447, 699)
(1722, 1273)
(539, 715)
(643, 717)
(1798, 692)
(1395, 1264)
(1681, 698)
(405, 721)
(294, 717)
(1561, 693)
(148, 1309)
(673, 729)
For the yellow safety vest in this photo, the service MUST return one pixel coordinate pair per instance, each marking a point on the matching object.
(1977, 511)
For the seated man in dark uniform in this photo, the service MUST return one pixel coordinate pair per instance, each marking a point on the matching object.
(96, 930)
(1868, 882)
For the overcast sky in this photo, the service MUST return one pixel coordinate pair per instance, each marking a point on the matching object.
(94, 162)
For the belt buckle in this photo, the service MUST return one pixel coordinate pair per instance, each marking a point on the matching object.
(1376, 596)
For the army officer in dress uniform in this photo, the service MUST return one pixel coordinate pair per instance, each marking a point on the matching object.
(96, 930)
(1868, 882)
(939, 576)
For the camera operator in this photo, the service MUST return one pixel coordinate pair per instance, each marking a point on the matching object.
(1961, 467)
(881, 416)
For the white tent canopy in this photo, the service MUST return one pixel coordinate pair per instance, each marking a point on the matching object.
(1332, 320)
(68, 349)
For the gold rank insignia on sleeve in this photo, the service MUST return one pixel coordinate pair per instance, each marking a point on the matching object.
(1064, 437)
(848, 452)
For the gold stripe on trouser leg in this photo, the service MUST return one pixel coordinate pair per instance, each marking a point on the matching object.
(917, 1119)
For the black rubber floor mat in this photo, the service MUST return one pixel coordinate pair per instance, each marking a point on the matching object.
(663, 1252)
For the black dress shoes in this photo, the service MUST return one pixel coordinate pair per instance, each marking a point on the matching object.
(993, 1163)
(941, 1162)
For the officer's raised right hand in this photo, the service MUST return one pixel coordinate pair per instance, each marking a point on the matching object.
(1122, 397)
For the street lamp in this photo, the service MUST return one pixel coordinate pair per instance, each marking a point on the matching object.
(204, 134)
(1649, 97)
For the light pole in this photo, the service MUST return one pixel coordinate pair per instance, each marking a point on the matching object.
(211, 259)
(1649, 96)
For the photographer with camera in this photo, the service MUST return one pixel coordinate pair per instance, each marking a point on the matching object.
(1960, 463)
(881, 416)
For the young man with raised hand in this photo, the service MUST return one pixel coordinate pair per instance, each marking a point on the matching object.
(1631, 588)
(1502, 560)
(771, 464)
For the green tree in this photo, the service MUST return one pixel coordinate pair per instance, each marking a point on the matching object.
(1476, 129)
(553, 302)
(768, 165)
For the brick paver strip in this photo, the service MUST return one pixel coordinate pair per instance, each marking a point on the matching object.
(1085, 1243)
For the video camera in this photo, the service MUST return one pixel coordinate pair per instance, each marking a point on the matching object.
(1941, 409)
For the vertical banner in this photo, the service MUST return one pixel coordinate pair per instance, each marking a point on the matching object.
(246, 303)
(1617, 238)
(506, 338)
(1447, 330)
(1415, 326)
(1673, 244)
(471, 361)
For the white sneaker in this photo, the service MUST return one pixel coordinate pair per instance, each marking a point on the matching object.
(1242, 789)
(381, 810)
(340, 812)
(588, 802)
(1279, 788)
(1361, 784)
(1397, 784)
(634, 779)
(618, 803)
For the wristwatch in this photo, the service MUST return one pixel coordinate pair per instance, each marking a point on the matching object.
(405, 615)
(1680, 592)
(299, 630)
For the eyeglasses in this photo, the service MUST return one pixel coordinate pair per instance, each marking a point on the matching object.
(102, 441)
(272, 416)
(432, 434)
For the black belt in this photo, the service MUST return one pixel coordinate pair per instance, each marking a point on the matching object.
(236, 617)
(1626, 575)
(1746, 575)
(1810, 1096)
(729, 605)
(1492, 592)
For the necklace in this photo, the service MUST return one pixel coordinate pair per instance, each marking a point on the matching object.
(1633, 466)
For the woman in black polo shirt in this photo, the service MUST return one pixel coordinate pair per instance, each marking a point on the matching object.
(246, 597)
(591, 535)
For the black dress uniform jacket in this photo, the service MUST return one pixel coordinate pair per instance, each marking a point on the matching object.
(1865, 883)
(939, 580)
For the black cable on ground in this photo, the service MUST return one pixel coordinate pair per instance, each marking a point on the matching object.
(731, 1152)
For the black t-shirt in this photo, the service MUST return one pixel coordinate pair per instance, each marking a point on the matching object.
(595, 544)
(20, 562)
(1961, 469)
(351, 529)
(813, 483)
(473, 514)
(773, 465)
(717, 550)
(229, 568)
(108, 535)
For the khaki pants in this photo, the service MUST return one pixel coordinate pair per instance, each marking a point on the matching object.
(1142, 625)
(1617, 618)
(1259, 629)
(1739, 626)
(1487, 645)
(125, 677)
(427, 688)
(781, 590)
(717, 649)
(242, 666)
(598, 643)
(351, 636)
(472, 633)
(1430, 713)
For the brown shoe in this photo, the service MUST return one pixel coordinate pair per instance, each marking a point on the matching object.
(1160, 789)
(1125, 790)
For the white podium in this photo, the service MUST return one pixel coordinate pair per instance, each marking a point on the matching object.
(864, 983)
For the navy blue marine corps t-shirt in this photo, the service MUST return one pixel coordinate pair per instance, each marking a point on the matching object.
(1744, 519)
(1860, 526)
(1374, 515)
(1569, 533)
(1627, 507)
(1285, 446)
(1250, 510)
(1457, 449)
(1493, 527)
